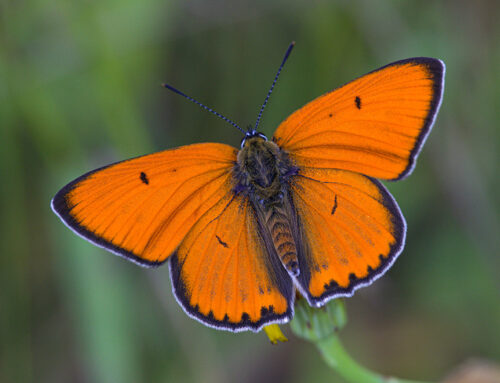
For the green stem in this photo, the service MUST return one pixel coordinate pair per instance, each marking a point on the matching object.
(321, 326)
(336, 357)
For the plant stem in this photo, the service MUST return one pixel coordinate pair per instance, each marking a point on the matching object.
(336, 357)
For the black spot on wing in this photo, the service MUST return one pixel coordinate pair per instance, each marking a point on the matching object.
(331, 285)
(222, 242)
(357, 101)
(334, 205)
(267, 311)
(144, 178)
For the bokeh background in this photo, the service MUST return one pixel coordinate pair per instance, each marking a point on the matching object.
(80, 88)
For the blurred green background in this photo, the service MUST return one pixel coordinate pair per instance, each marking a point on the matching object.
(80, 88)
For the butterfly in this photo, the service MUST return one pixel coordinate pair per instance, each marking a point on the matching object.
(244, 230)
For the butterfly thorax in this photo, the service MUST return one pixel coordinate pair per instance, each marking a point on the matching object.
(263, 171)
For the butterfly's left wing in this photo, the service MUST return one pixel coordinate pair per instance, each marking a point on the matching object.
(225, 273)
(351, 231)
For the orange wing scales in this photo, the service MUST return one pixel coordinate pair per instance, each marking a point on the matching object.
(375, 125)
(223, 275)
(143, 208)
(352, 231)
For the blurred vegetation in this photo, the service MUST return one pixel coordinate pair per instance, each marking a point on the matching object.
(80, 88)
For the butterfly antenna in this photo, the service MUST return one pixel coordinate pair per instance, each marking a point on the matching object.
(203, 106)
(290, 47)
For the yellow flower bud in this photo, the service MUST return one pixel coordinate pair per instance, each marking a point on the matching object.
(274, 333)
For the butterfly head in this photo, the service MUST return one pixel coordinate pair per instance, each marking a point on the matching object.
(251, 133)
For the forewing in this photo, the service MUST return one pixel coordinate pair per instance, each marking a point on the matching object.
(142, 208)
(224, 276)
(351, 231)
(375, 125)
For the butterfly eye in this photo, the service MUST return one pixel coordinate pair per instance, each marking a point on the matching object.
(261, 136)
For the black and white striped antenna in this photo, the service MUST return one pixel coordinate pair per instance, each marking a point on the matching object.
(290, 47)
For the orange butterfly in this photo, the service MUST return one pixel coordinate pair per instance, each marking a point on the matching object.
(243, 229)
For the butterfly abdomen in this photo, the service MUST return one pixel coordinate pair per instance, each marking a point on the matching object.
(278, 225)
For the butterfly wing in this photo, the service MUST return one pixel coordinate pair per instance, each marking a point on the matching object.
(142, 208)
(375, 125)
(223, 274)
(351, 231)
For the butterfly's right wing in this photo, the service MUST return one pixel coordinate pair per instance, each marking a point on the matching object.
(142, 208)
(375, 125)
